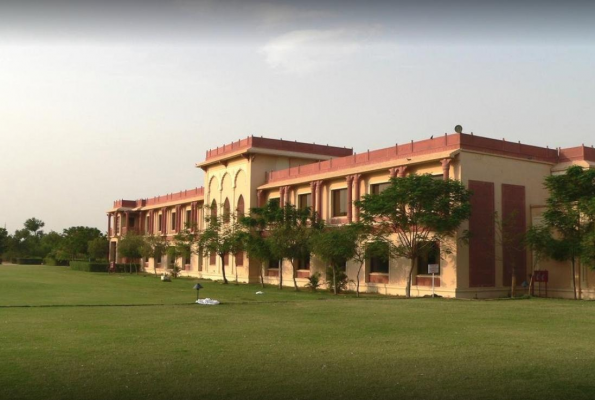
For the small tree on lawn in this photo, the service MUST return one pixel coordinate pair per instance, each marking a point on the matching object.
(131, 247)
(512, 240)
(415, 211)
(154, 246)
(568, 221)
(290, 236)
(221, 236)
(186, 241)
(256, 234)
(335, 246)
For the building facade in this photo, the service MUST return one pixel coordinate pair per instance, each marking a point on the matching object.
(506, 178)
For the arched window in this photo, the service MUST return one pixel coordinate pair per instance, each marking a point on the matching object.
(213, 211)
(240, 208)
(226, 211)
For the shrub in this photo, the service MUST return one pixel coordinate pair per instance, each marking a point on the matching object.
(88, 266)
(314, 281)
(52, 261)
(30, 261)
(125, 267)
(341, 280)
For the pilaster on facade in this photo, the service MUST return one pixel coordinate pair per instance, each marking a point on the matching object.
(319, 188)
(313, 196)
(349, 179)
(357, 184)
(446, 168)
(260, 198)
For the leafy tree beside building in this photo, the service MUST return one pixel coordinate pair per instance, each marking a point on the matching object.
(414, 213)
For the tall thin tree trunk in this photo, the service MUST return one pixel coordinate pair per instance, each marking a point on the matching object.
(281, 274)
(579, 277)
(293, 275)
(513, 283)
(573, 278)
(262, 274)
(409, 277)
(334, 281)
(357, 282)
(223, 269)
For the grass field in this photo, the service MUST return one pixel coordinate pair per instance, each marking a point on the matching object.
(127, 336)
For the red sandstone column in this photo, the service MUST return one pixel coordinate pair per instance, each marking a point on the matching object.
(287, 198)
(282, 196)
(164, 221)
(259, 198)
(401, 171)
(356, 182)
(151, 222)
(349, 179)
(393, 172)
(319, 198)
(313, 196)
(109, 225)
(445, 168)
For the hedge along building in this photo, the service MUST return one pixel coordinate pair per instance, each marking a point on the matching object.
(505, 177)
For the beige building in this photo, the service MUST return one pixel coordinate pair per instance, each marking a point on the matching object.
(505, 177)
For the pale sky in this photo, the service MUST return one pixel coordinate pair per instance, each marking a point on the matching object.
(101, 102)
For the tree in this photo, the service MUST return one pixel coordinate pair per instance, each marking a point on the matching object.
(130, 247)
(414, 212)
(255, 242)
(185, 241)
(76, 240)
(335, 246)
(98, 248)
(33, 225)
(365, 246)
(290, 236)
(256, 235)
(154, 246)
(512, 240)
(221, 236)
(568, 221)
(51, 244)
(4, 241)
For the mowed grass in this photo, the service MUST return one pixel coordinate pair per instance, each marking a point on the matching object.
(153, 343)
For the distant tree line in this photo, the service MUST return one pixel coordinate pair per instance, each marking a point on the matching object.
(32, 243)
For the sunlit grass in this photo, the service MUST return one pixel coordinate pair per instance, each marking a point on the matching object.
(281, 344)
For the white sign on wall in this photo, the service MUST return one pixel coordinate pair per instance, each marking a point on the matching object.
(433, 268)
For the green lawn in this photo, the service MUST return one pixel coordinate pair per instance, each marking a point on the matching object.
(153, 343)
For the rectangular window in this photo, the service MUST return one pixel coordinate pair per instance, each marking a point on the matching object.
(226, 259)
(379, 187)
(379, 259)
(148, 219)
(187, 259)
(159, 219)
(212, 258)
(430, 255)
(131, 222)
(304, 200)
(173, 221)
(274, 264)
(304, 263)
(339, 202)
(188, 218)
(275, 202)
(239, 259)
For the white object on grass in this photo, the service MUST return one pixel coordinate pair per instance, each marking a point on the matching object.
(259, 292)
(207, 302)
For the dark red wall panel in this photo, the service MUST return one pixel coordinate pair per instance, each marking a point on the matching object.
(482, 244)
(514, 224)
